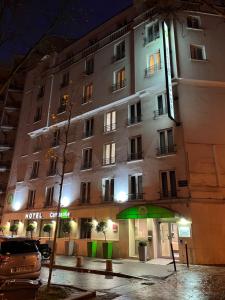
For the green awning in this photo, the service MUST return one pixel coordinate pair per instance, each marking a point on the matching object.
(145, 211)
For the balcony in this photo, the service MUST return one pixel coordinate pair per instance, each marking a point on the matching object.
(118, 85)
(117, 57)
(109, 161)
(86, 165)
(150, 71)
(135, 156)
(159, 112)
(4, 166)
(135, 196)
(166, 150)
(134, 120)
(110, 127)
(168, 194)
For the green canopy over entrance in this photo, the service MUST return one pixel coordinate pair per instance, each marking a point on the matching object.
(145, 211)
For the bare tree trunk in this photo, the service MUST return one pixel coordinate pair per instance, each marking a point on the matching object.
(52, 259)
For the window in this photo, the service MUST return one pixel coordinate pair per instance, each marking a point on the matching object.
(110, 121)
(49, 198)
(52, 166)
(168, 184)
(153, 64)
(62, 104)
(85, 230)
(134, 113)
(65, 79)
(109, 154)
(152, 32)
(41, 91)
(35, 169)
(86, 159)
(135, 148)
(38, 114)
(197, 52)
(119, 80)
(89, 66)
(161, 106)
(87, 92)
(119, 51)
(85, 189)
(135, 187)
(166, 142)
(193, 22)
(108, 189)
(31, 199)
(56, 138)
(88, 127)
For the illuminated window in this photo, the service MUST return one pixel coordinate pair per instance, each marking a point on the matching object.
(89, 66)
(49, 196)
(119, 79)
(197, 52)
(153, 64)
(135, 148)
(110, 121)
(109, 154)
(135, 187)
(134, 113)
(86, 159)
(87, 92)
(38, 114)
(166, 142)
(119, 51)
(35, 169)
(108, 189)
(152, 32)
(65, 79)
(88, 127)
(85, 189)
(31, 199)
(168, 184)
(193, 22)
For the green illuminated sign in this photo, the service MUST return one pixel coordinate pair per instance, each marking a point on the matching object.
(145, 211)
(64, 213)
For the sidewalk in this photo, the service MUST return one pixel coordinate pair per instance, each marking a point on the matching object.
(121, 267)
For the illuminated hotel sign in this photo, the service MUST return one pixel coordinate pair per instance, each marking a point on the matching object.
(64, 214)
(168, 67)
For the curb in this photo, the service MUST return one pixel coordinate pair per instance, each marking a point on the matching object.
(86, 295)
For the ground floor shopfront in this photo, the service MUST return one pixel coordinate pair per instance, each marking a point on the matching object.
(200, 226)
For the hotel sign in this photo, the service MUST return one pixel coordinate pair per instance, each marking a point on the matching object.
(64, 214)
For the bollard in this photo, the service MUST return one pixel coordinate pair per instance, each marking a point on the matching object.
(109, 267)
(80, 261)
(186, 251)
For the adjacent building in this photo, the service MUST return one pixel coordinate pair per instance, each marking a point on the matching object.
(146, 145)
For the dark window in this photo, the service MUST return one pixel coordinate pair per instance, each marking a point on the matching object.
(49, 199)
(152, 32)
(168, 184)
(38, 114)
(193, 22)
(31, 198)
(87, 159)
(135, 148)
(65, 79)
(85, 230)
(108, 190)
(134, 113)
(89, 68)
(85, 190)
(56, 138)
(197, 52)
(136, 189)
(119, 51)
(88, 127)
(18, 247)
(35, 169)
(41, 91)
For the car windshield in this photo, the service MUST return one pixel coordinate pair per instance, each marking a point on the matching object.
(17, 247)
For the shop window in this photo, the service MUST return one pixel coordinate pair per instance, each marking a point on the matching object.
(109, 154)
(49, 197)
(35, 169)
(135, 148)
(85, 230)
(37, 143)
(110, 121)
(85, 191)
(168, 184)
(31, 199)
(135, 187)
(108, 189)
(134, 113)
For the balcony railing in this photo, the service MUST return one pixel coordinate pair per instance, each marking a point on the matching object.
(151, 37)
(150, 71)
(160, 112)
(118, 57)
(107, 198)
(166, 150)
(168, 194)
(134, 120)
(109, 161)
(86, 165)
(119, 85)
(135, 156)
(136, 196)
(110, 127)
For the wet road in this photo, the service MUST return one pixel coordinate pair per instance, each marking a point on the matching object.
(198, 283)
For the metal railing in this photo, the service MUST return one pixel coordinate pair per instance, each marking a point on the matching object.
(107, 198)
(136, 196)
(119, 85)
(86, 98)
(110, 127)
(118, 57)
(159, 112)
(135, 156)
(109, 161)
(134, 120)
(150, 71)
(166, 150)
(151, 37)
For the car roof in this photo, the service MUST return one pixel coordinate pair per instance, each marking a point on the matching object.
(9, 238)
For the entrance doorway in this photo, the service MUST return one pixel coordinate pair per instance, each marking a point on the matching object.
(168, 232)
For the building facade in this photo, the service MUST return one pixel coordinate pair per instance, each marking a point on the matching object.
(145, 149)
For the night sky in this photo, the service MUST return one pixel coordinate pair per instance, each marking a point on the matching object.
(29, 21)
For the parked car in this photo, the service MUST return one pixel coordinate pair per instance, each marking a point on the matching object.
(19, 258)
